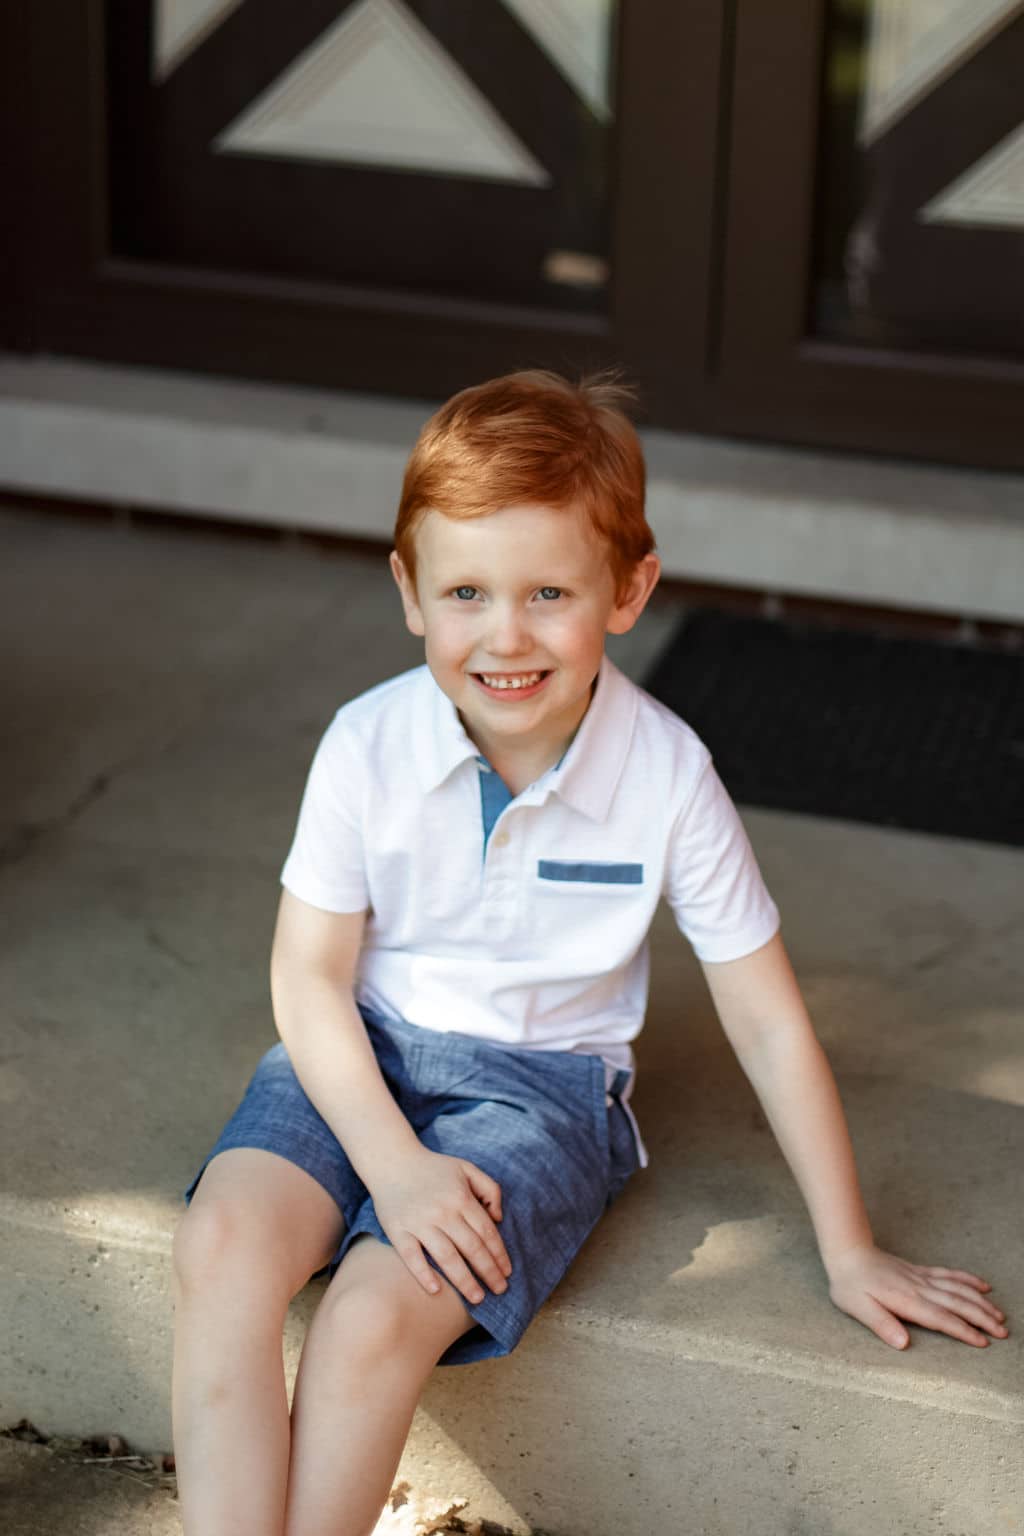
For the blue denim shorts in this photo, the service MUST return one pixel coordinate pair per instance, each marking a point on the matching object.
(541, 1123)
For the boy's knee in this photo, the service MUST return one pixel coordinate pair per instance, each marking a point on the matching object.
(206, 1240)
(380, 1316)
(218, 1248)
(366, 1321)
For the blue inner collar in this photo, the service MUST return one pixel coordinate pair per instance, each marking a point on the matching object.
(494, 796)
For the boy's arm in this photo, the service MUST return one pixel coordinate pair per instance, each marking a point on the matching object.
(423, 1199)
(762, 1012)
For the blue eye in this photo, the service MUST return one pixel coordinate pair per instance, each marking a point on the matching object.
(465, 593)
(551, 592)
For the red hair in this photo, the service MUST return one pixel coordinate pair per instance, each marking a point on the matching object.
(532, 438)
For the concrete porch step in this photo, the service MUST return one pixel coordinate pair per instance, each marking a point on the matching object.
(828, 525)
(691, 1375)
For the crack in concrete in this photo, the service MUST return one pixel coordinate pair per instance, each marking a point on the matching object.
(27, 835)
(157, 942)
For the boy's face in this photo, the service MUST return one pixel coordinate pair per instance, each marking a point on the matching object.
(514, 608)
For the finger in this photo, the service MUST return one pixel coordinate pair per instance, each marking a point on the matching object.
(451, 1263)
(880, 1320)
(477, 1254)
(488, 1234)
(956, 1274)
(411, 1255)
(974, 1311)
(941, 1320)
(968, 1293)
(486, 1189)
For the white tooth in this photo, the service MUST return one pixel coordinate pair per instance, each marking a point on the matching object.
(511, 682)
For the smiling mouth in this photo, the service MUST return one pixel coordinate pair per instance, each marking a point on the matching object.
(510, 681)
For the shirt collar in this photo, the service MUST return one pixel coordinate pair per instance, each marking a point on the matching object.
(439, 744)
(589, 772)
(587, 775)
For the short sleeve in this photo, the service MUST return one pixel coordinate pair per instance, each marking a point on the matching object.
(326, 866)
(712, 880)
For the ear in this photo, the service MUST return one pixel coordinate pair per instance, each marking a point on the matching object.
(410, 602)
(631, 604)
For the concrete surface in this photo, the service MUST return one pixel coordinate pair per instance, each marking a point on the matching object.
(690, 1376)
(830, 525)
(42, 1495)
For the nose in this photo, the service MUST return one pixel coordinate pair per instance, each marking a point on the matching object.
(509, 633)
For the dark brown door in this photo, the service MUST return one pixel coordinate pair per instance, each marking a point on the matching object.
(921, 201)
(389, 195)
(799, 223)
(450, 147)
(873, 269)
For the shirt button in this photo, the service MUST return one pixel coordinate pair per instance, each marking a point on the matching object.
(501, 840)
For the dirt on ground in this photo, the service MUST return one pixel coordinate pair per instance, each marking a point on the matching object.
(57, 1485)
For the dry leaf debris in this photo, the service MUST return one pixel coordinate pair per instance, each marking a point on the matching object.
(107, 1452)
(410, 1513)
(407, 1512)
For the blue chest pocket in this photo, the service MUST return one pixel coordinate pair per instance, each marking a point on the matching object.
(590, 873)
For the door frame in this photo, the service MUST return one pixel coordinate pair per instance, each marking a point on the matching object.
(81, 299)
(710, 255)
(774, 379)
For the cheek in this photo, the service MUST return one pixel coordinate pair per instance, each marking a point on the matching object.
(579, 640)
(449, 638)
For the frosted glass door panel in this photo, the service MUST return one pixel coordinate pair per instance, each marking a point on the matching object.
(453, 147)
(921, 176)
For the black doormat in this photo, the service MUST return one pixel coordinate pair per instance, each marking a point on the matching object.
(902, 733)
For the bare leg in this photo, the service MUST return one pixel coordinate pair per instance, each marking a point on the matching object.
(257, 1228)
(374, 1340)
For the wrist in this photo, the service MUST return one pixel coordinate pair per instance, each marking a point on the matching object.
(835, 1257)
(392, 1161)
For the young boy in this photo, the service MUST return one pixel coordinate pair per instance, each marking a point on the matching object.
(458, 970)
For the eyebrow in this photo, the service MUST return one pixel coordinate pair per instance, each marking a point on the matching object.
(565, 578)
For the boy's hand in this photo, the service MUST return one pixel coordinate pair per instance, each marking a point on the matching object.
(448, 1207)
(878, 1289)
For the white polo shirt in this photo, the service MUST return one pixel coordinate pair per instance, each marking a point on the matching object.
(536, 935)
